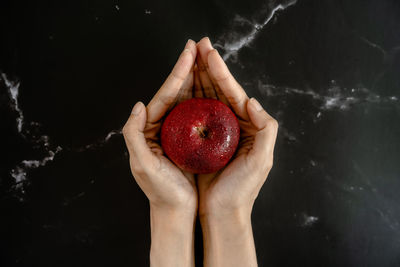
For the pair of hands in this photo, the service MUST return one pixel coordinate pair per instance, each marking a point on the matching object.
(201, 72)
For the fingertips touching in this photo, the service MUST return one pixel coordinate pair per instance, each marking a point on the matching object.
(168, 93)
(203, 47)
(191, 45)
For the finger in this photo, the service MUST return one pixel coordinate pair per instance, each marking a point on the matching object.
(265, 137)
(198, 91)
(204, 46)
(186, 91)
(191, 45)
(205, 79)
(221, 95)
(167, 95)
(134, 137)
(235, 94)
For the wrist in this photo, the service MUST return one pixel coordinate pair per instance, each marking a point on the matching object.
(189, 207)
(228, 238)
(210, 211)
(238, 217)
(173, 214)
(172, 237)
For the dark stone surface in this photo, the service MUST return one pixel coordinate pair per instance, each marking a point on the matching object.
(328, 70)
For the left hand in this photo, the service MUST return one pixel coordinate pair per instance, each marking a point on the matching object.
(165, 185)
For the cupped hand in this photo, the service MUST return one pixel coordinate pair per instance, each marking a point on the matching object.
(165, 185)
(236, 186)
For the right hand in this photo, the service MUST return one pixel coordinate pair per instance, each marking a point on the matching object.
(235, 187)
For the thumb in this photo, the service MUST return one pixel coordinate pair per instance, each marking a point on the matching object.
(133, 134)
(266, 132)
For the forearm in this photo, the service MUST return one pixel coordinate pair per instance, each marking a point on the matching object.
(172, 238)
(228, 240)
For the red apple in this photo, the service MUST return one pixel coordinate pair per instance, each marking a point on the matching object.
(200, 135)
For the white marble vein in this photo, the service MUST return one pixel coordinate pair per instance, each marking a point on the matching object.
(386, 53)
(308, 220)
(100, 142)
(374, 45)
(363, 189)
(332, 98)
(377, 199)
(13, 90)
(388, 218)
(28, 130)
(19, 173)
(233, 42)
(67, 201)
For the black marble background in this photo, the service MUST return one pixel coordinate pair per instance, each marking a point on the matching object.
(70, 72)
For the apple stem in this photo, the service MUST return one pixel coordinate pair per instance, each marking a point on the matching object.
(203, 132)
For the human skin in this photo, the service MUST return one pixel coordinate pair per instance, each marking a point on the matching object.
(223, 200)
(226, 197)
(172, 193)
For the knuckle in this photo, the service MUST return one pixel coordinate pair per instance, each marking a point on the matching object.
(128, 130)
(129, 126)
(168, 99)
(138, 172)
(272, 123)
(260, 164)
(125, 129)
(222, 77)
(177, 76)
(137, 167)
(269, 163)
(236, 100)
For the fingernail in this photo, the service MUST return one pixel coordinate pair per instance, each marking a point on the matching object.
(188, 42)
(256, 104)
(186, 50)
(137, 108)
(209, 41)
